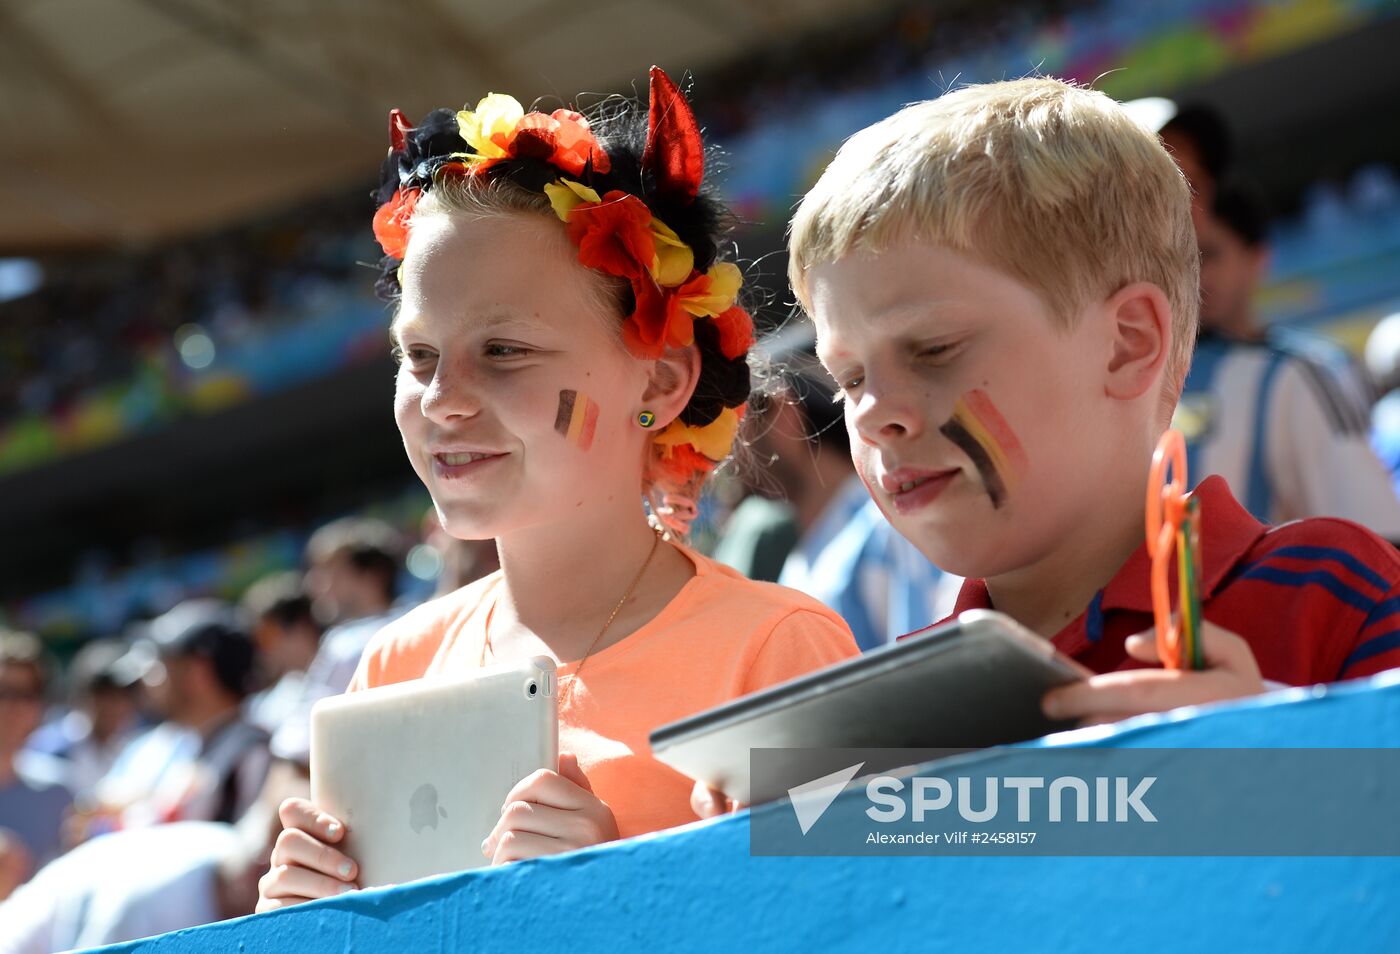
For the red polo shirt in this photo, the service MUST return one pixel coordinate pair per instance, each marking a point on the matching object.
(1318, 600)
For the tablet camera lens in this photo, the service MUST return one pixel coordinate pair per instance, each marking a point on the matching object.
(532, 689)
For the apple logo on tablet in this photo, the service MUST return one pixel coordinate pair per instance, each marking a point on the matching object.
(423, 808)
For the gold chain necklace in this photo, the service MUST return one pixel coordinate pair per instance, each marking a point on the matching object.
(655, 544)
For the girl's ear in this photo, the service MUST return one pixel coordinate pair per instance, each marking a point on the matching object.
(670, 383)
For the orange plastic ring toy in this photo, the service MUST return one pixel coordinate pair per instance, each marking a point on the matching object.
(1166, 511)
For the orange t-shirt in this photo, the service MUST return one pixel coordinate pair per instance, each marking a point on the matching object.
(723, 636)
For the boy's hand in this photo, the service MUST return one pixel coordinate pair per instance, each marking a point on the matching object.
(708, 802)
(549, 813)
(304, 865)
(1230, 673)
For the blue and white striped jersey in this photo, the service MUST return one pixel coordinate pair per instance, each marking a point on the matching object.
(1289, 441)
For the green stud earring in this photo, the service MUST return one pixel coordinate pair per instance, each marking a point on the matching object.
(646, 419)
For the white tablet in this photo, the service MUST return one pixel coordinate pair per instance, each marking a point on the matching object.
(418, 771)
(969, 683)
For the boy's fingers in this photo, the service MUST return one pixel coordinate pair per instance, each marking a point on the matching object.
(303, 815)
(706, 802)
(1118, 695)
(1143, 647)
(1220, 648)
(1225, 650)
(1128, 692)
(298, 849)
(700, 802)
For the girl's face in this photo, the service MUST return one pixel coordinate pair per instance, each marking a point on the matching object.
(515, 397)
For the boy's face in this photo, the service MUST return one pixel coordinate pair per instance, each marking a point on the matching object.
(976, 423)
(515, 398)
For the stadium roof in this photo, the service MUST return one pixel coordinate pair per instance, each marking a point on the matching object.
(131, 120)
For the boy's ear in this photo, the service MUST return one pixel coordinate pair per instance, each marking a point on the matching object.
(670, 383)
(1141, 321)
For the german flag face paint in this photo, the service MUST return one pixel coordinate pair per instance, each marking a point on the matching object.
(981, 433)
(577, 418)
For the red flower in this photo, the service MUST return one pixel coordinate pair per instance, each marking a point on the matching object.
(613, 235)
(735, 332)
(658, 321)
(391, 222)
(561, 138)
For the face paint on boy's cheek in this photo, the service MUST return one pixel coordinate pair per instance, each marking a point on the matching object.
(577, 418)
(980, 432)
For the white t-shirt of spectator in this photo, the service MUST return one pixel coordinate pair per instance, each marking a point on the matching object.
(123, 886)
(1282, 434)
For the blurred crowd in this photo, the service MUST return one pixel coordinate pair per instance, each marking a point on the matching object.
(176, 740)
(99, 320)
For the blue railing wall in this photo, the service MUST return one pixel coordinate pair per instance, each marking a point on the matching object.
(698, 888)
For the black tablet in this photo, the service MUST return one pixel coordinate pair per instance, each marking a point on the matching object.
(970, 683)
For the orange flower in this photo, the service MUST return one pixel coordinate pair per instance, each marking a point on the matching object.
(680, 463)
(391, 222)
(575, 144)
(613, 235)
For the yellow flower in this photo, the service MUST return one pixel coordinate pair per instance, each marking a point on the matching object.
(674, 260)
(723, 288)
(496, 113)
(714, 440)
(566, 195)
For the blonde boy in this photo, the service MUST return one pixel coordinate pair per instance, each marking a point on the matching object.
(1004, 284)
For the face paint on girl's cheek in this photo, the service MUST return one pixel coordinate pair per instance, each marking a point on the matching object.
(981, 433)
(577, 418)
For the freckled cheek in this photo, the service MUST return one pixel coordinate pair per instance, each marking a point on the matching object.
(863, 457)
(408, 405)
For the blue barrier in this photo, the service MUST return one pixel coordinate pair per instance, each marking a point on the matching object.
(697, 888)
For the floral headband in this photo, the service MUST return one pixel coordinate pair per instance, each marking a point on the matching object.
(616, 232)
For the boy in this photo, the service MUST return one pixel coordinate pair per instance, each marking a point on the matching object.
(1004, 285)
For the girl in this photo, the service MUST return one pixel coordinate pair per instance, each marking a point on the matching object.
(569, 343)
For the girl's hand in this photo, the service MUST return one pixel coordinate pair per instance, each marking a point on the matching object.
(305, 866)
(1231, 672)
(549, 813)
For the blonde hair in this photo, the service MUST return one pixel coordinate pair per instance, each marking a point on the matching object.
(1052, 183)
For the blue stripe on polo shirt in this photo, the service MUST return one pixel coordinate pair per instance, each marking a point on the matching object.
(1346, 559)
(1383, 609)
(1093, 618)
(1374, 646)
(1299, 578)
